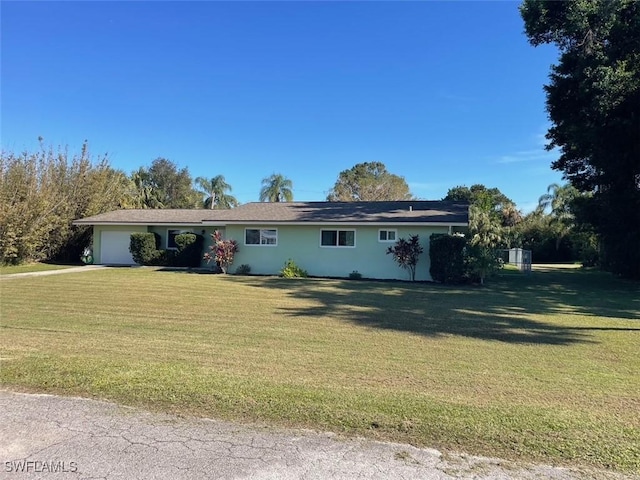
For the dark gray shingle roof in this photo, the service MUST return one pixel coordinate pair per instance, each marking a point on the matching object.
(295, 212)
(406, 211)
(149, 216)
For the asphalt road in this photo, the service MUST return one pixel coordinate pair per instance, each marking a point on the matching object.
(51, 437)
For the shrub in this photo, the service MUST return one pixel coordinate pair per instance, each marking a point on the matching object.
(144, 248)
(406, 254)
(483, 262)
(291, 270)
(189, 252)
(355, 275)
(243, 269)
(222, 251)
(446, 253)
(165, 258)
(586, 248)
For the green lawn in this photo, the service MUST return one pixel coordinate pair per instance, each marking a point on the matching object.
(541, 367)
(31, 267)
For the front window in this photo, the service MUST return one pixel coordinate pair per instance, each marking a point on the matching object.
(387, 235)
(261, 236)
(338, 238)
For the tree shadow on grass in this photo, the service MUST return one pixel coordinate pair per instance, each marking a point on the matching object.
(500, 312)
(576, 291)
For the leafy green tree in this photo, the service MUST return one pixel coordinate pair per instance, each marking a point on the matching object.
(163, 185)
(43, 192)
(486, 238)
(537, 233)
(215, 192)
(552, 231)
(490, 200)
(369, 181)
(592, 101)
(142, 193)
(406, 254)
(276, 188)
(558, 200)
(493, 221)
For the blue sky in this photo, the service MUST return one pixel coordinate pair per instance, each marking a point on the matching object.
(443, 93)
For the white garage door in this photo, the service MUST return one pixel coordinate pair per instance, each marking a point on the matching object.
(114, 248)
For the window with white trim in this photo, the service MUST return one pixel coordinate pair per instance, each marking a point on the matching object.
(337, 238)
(387, 235)
(261, 236)
(171, 238)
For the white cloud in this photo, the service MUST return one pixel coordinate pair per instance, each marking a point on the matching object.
(536, 153)
(527, 156)
(541, 139)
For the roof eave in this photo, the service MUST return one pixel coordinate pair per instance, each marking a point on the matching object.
(336, 222)
(120, 222)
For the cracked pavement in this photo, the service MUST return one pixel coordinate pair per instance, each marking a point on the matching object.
(52, 437)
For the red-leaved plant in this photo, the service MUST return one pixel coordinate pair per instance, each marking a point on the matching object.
(222, 251)
(406, 254)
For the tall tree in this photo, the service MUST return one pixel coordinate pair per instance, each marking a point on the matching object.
(276, 188)
(142, 193)
(559, 200)
(369, 181)
(215, 192)
(490, 200)
(492, 216)
(169, 186)
(486, 237)
(41, 193)
(592, 101)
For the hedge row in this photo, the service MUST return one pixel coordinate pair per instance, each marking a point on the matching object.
(145, 249)
(447, 257)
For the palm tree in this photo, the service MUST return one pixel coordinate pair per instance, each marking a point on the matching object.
(214, 189)
(511, 216)
(486, 237)
(143, 195)
(559, 199)
(276, 188)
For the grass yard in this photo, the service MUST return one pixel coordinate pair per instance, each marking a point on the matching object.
(31, 267)
(542, 367)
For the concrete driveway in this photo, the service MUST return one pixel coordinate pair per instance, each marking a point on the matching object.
(51, 437)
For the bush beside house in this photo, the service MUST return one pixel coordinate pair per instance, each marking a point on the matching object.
(447, 255)
(145, 250)
(189, 252)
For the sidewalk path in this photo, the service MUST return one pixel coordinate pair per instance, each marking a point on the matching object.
(87, 439)
(83, 268)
